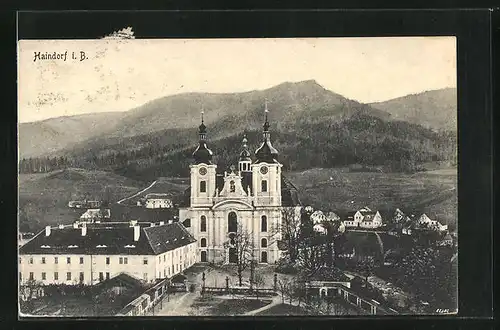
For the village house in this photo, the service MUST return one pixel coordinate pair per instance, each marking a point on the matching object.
(364, 218)
(446, 240)
(89, 254)
(157, 201)
(425, 222)
(84, 204)
(92, 215)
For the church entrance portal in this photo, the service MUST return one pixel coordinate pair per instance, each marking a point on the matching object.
(263, 258)
(203, 256)
(233, 255)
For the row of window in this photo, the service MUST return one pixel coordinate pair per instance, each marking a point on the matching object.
(232, 223)
(263, 242)
(232, 187)
(175, 253)
(69, 277)
(263, 257)
(121, 260)
(175, 268)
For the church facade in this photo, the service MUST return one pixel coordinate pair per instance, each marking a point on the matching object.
(246, 201)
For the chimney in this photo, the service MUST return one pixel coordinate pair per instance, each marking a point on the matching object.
(162, 223)
(152, 224)
(84, 230)
(75, 224)
(61, 226)
(170, 221)
(137, 233)
(47, 231)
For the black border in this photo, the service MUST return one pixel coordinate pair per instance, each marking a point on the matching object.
(473, 31)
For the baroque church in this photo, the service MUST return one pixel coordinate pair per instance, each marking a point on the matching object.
(248, 198)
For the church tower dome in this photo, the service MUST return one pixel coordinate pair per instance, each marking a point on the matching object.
(245, 154)
(266, 152)
(245, 160)
(202, 154)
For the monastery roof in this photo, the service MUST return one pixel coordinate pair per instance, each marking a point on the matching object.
(109, 239)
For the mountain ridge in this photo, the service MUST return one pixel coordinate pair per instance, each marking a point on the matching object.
(435, 109)
(227, 113)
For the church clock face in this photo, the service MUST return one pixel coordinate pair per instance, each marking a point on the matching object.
(263, 170)
(203, 171)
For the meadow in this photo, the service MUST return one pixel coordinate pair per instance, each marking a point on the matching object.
(43, 198)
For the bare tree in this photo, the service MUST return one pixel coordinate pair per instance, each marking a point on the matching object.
(284, 285)
(258, 281)
(243, 245)
(290, 226)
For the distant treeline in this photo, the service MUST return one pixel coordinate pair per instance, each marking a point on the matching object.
(395, 145)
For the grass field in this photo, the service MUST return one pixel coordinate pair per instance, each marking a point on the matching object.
(217, 306)
(433, 192)
(43, 198)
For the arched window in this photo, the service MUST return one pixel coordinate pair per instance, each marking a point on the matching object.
(203, 242)
(263, 257)
(203, 223)
(232, 223)
(263, 185)
(263, 224)
(232, 188)
(203, 186)
(263, 242)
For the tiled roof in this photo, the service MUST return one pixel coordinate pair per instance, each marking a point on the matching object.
(168, 237)
(142, 214)
(109, 239)
(158, 196)
(121, 279)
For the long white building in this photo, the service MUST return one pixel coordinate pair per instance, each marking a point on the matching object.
(89, 254)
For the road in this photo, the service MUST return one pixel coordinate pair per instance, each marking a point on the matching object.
(136, 194)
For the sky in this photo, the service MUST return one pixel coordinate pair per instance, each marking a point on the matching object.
(119, 75)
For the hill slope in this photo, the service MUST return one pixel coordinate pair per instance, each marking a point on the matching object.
(226, 114)
(43, 198)
(47, 136)
(435, 109)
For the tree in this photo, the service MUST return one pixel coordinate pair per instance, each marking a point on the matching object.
(311, 248)
(258, 281)
(30, 289)
(290, 226)
(243, 245)
(284, 286)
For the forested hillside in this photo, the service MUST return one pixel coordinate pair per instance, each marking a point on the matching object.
(394, 146)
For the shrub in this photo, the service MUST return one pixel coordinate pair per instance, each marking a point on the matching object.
(285, 266)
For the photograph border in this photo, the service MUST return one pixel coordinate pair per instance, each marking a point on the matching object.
(472, 29)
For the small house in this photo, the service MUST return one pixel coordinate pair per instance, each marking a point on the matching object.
(370, 219)
(92, 215)
(158, 201)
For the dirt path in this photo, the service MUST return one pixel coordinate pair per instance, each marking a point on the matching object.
(275, 301)
(136, 194)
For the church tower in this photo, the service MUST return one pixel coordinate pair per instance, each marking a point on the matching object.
(266, 171)
(203, 172)
(245, 161)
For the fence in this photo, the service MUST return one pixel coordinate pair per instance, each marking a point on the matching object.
(242, 291)
(341, 291)
(151, 297)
